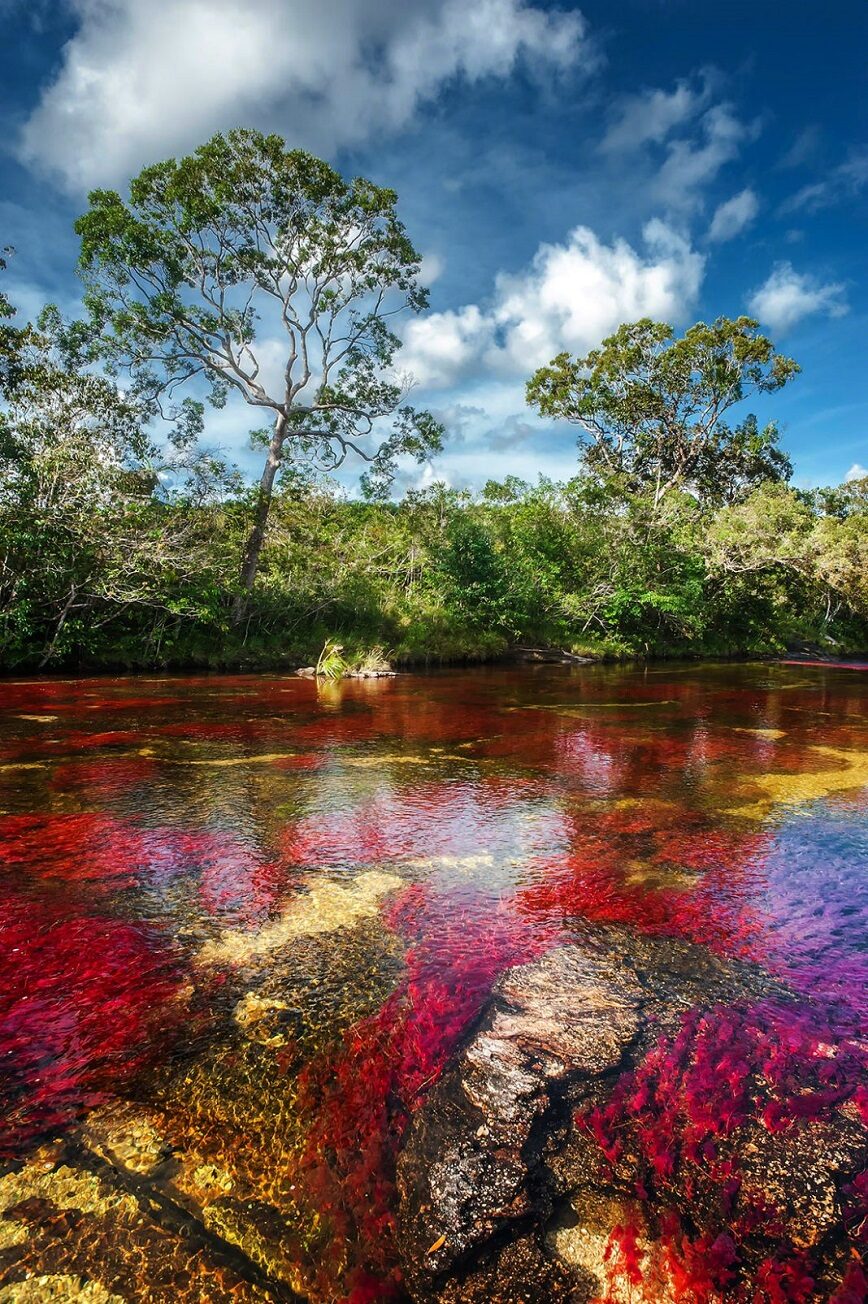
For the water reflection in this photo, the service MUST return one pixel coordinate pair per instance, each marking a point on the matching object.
(245, 921)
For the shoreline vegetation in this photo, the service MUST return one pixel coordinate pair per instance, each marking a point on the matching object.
(127, 543)
(439, 578)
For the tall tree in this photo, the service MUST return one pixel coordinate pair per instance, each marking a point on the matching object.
(651, 406)
(263, 271)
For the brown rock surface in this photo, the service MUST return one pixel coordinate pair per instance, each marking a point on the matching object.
(502, 1198)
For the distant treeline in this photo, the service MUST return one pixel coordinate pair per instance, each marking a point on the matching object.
(124, 543)
(103, 566)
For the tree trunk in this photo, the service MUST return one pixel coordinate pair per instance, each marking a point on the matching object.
(256, 538)
(48, 651)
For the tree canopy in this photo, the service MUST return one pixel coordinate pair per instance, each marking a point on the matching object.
(651, 406)
(252, 271)
(88, 535)
(264, 272)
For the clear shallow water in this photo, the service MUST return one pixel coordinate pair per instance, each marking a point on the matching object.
(245, 920)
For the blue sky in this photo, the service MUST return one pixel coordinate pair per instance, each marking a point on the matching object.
(562, 169)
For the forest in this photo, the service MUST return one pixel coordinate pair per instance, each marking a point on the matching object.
(126, 540)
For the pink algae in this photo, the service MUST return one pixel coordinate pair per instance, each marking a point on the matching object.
(361, 1100)
(85, 1003)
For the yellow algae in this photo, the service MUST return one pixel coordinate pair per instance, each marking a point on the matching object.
(759, 733)
(254, 1014)
(202, 1182)
(325, 908)
(586, 1245)
(239, 1226)
(121, 1134)
(373, 762)
(223, 761)
(637, 803)
(211, 1178)
(482, 860)
(12, 1233)
(795, 789)
(578, 708)
(64, 1187)
(657, 878)
(62, 1288)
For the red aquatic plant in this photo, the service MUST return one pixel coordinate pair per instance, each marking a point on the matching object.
(854, 1287)
(585, 812)
(766, 1065)
(104, 777)
(360, 1099)
(236, 880)
(85, 1003)
(89, 845)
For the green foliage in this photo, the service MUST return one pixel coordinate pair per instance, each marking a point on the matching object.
(217, 255)
(89, 539)
(474, 574)
(330, 663)
(680, 535)
(651, 406)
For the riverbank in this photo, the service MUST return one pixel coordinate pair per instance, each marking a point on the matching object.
(359, 660)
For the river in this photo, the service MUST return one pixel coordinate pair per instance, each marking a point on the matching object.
(246, 921)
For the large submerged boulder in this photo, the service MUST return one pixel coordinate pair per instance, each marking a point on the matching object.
(504, 1198)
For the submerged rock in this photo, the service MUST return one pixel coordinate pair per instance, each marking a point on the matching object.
(503, 1198)
(472, 1165)
(64, 1289)
(325, 907)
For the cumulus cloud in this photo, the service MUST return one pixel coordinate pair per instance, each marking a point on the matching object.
(140, 81)
(444, 346)
(856, 472)
(788, 296)
(732, 217)
(569, 297)
(573, 294)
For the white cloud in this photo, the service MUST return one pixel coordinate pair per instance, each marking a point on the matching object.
(841, 183)
(471, 468)
(732, 217)
(686, 137)
(569, 297)
(803, 148)
(788, 296)
(856, 472)
(692, 164)
(140, 81)
(443, 346)
(574, 294)
(432, 268)
(651, 115)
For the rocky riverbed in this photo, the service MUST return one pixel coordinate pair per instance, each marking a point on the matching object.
(509, 1192)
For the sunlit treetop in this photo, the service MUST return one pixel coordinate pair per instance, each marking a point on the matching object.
(651, 405)
(264, 272)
